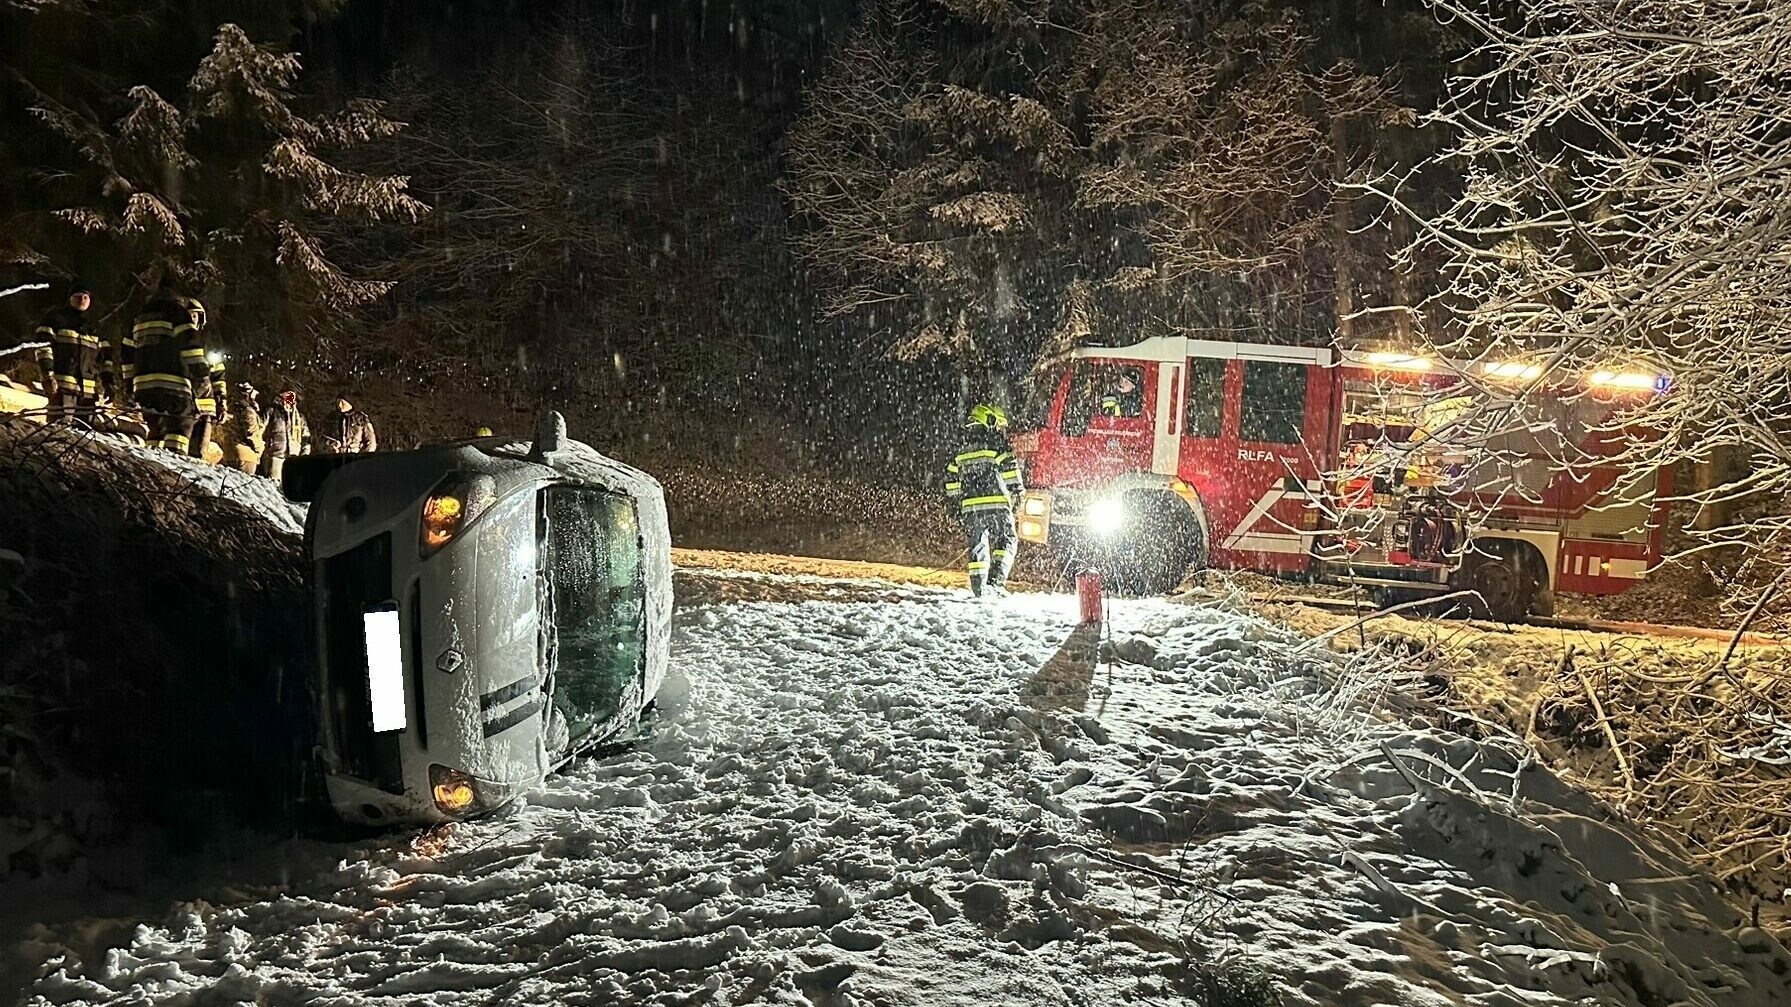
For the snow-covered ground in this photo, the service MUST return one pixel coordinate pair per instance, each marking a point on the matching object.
(892, 795)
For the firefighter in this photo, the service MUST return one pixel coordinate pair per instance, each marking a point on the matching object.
(71, 361)
(983, 482)
(209, 395)
(242, 431)
(165, 362)
(1122, 398)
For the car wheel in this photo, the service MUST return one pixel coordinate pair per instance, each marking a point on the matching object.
(1160, 554)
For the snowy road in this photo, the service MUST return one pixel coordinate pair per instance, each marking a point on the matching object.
(864, 793)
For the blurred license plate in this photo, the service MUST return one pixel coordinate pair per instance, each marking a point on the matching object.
(385, 670)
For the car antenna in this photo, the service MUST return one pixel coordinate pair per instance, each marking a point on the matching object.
(550, 435)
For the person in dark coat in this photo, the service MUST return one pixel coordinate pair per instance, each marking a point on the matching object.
(71, 360)
(351, 432)
(984, 485)
(164, 361)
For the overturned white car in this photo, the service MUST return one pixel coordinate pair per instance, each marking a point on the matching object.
(484, 612)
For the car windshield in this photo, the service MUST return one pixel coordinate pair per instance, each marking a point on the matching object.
(593, 600)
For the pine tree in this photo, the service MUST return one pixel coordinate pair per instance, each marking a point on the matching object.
(994, 180)
(232, 191)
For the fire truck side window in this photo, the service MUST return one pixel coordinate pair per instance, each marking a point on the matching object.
(1206, 397)
(1274, 409)
(1111, 391)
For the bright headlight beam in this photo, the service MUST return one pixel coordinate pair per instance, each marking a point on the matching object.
(1106, 516)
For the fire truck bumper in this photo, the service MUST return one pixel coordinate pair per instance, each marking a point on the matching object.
(1408, 577)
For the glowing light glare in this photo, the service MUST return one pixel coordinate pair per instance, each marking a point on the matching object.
(441, 520)
(385, 670)
(1033, 507)
(1399, 361)
(1031, 529)
(1633, 380)
(1107, 516)
(454, 794)
(1512, 370)
(214, 357)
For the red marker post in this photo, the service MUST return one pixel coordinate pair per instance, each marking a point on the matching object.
(1089, 596)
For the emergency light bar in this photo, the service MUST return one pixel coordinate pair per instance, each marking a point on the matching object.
(1398, 361)
(1512, 370)
(1633, 380)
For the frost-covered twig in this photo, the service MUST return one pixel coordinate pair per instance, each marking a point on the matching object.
(1610, 734)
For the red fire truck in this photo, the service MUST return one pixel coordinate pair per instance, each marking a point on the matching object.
(1174, 453)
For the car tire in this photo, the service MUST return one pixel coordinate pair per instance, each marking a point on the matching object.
(1168, 545)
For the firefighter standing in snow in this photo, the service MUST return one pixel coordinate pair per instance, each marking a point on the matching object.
(164, 362)
(983, 480)
(209, 394)
(71, 361)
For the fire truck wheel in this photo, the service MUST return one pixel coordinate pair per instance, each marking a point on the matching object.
(1503, 587)
(1165, 545)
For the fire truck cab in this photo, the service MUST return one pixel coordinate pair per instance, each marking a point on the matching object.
(1174, 454)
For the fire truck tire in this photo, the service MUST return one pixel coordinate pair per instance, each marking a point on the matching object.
(1504, 588)
(1167, 544)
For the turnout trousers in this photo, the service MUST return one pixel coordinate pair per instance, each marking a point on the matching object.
(992, 541)
(170, 416)
(68, 404)
(203, 426)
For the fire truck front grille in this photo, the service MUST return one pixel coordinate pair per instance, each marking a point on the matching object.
(352, 583)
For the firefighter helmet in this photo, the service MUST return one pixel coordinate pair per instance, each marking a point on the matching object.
(197, 311)
(986, 415)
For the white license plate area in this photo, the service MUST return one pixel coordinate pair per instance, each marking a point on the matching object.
(385, 670)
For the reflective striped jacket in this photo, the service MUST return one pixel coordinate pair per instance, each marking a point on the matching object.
(72, 360)
(163, 350)
(984, 474)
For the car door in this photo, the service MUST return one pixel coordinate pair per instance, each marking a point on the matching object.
(1275, 438)
(1112, 403)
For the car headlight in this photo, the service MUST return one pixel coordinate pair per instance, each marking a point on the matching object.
(454, 791)
(459, 793)
(450, 507)
(1106, 516)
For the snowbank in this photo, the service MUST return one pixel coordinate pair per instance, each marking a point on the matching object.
(931, 801)
(260, 495)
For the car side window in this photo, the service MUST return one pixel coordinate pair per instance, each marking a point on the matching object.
(1205, 409)
(1274, 407)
